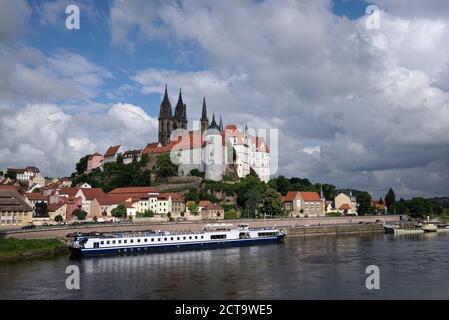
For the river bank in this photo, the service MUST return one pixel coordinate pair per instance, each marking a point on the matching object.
(12, 249)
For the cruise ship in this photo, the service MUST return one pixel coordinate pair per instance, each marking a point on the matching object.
(212, 236)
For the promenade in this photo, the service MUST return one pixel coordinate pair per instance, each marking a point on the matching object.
(287, 223)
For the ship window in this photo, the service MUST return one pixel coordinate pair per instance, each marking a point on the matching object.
(138, 240)
(218, 236)
(267, 234)
(107, 242)
(146, 240)
(158, 239)
(202, 237)
(132, 240)
(171, 238)
(196, 237)
(152, 239)
(178, 238)
(165, 239)
(183, 238)
(125, 241)
(113, 241)
(102, 242)
(120, 241)
(190, 237)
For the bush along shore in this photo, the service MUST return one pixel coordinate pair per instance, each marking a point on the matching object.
(17, 249)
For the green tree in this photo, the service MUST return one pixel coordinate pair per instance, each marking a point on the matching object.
(81, 165)
(59, 218)
(196, 173)
(119, 211)
(272, 203)
(253, 202)
(165, 167)
(193, 208)
(119, 159)
(364, 203)
(192, 195)
(11, 175)
(79, 214)
(390, 201)
(401, 207)
(144, 160)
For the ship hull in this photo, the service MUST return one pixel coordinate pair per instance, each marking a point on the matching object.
(173, 247)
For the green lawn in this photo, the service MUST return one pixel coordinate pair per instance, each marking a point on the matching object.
(12, 247)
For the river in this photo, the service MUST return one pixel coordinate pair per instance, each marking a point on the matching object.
(331, 267)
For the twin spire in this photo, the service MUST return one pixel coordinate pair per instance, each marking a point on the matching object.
(181, 112)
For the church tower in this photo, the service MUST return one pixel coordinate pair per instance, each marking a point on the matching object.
(180, 117)
(165, 120)
(204, 120)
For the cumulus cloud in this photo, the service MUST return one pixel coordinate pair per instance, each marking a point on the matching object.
(375, 102)
(46, 136)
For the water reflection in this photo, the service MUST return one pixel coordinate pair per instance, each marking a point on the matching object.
(412, 266)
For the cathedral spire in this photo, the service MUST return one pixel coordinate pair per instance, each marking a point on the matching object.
(165, 110)
(179, 110)
(204, 111)
(220, 125)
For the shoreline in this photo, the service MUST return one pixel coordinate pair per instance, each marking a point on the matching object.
(28, 250)
(300, 231)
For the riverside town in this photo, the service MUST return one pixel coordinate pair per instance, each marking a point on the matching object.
(203, 150)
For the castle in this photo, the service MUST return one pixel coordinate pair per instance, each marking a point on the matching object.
(210, 148)
(215, 149)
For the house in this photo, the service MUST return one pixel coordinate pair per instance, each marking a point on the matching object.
(72, 204)
(14, 210)
(304, 204)
(211, 211)
(346, 204)
(65, 182)
(111, 154)
(178, 205)
(57, 209)
(34, 198)
(36, 179)
(88, 203)
(131, 155)
(83, 185)
(24, 175)
(379, 206)
(94, 161)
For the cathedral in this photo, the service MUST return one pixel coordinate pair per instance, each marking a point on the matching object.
(169, 121)
(250, 152)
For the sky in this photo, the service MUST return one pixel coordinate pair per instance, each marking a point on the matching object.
(358, 107)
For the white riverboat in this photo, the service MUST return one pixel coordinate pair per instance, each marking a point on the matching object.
(213, 236)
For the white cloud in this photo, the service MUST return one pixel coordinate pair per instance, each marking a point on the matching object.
(376, 100)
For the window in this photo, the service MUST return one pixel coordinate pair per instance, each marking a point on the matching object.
(146, 240)
(113, 241)
(202, 237)
(177, 238)
(132, 240)
(267, 234)
(102, 242)
(165, 239)
(125, 241)
(183, 238)
(107, 242)
(218, 236)
(196, 237)
(171, 238)
(152, 239)
(190, 237)
(120, 241)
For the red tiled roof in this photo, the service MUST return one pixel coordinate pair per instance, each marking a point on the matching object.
(291, 195)
(36, 196)
(52, 207)
(112, 151)
(231, 127)
(344, 206)
(212, 206)
(176, 197)
(9, 187)
(71, 192)
(108, 199)
(310, 196)
(92, 193)
(154, 148)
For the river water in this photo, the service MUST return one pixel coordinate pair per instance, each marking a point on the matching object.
(332, 267)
